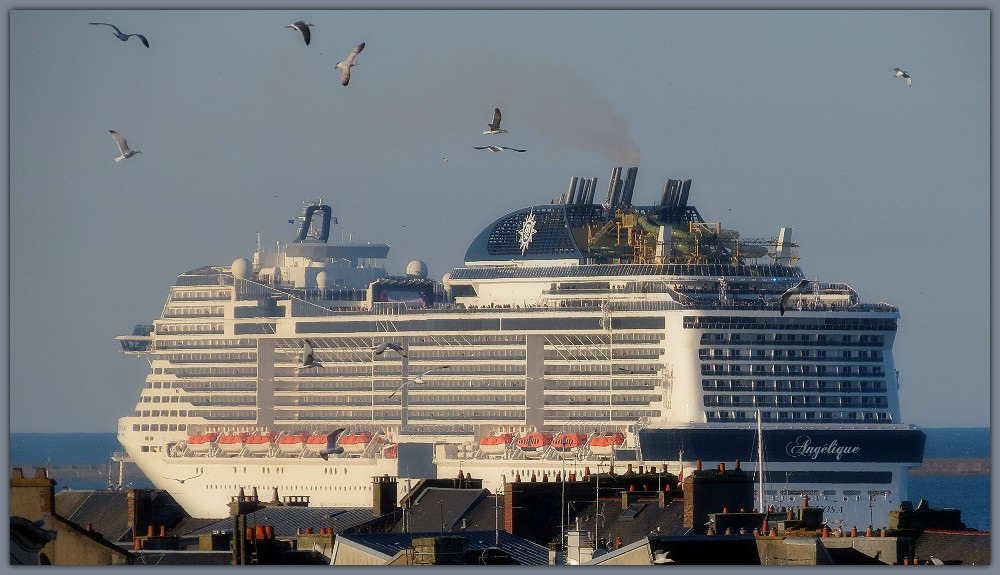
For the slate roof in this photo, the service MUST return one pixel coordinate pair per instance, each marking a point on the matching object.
(287, 520)
(388, 544)
(107, 511)
(437, 504)
(969, 547)
(182, 558)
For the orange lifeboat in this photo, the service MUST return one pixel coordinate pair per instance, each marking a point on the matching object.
(569, 442)
(495, 444)
(605, 444)
(231, 443)
(355, 443)
(532, 444)
(390, 451)
(259, 443)
(292, 443)
(316, 443)
(201, 443)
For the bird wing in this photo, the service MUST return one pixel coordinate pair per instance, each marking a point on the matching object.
(120, 140)
(345, 72)
(515, 149)
(331, 438)
(495, 125)
(357, 50)
(395, 391)
(307, 354)
(380, 348)
(304, 28)
(909, 81)
(398, 348)
(141, 39)
(490, 148)
(106, 24)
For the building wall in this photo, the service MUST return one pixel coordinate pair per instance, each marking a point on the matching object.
(73, 547)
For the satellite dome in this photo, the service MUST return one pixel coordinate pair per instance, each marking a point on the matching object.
(241, 268)
(321, 281)
(416, 269)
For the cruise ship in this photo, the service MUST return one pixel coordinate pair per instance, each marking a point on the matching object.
(578, 336)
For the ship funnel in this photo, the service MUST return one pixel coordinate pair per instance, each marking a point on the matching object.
(685, 188)
(629, 186)
(614, 189)
(571, 193)
(591, 190)
(581, 195)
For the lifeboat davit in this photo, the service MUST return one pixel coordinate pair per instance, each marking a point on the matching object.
(532, 444)
(259, 443)
(390, 451)
(231, 443)
(355, 443)
(605, 444)
(292, 443)
(569, 442)
(201, 443)
(495, 444)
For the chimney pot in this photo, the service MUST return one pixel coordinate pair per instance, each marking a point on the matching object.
(805, 501)
(697, 465)
(269, 531)
(149, 531)
(163, 530)
(90, 526)
(468, 475)
(722, 468)
(737, 466)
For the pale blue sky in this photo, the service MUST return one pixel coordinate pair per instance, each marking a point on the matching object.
(779, 118)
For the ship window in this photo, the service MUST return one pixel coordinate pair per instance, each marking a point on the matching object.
(144, 449)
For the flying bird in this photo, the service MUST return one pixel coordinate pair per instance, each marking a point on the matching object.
(380, 348)
(126, 152)
(495, 124)
(900, 73)
(122, 36)
(346, 64)
(796, 289)
(418, 380)
(331, 445)
(186, 478)
(301, 27)
(308, 359)
(498, 148)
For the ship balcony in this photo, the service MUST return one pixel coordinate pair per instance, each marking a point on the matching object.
(139, 342)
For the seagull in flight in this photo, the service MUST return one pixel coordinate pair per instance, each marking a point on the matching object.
(418, 380)
(380, 348)
(122, 36)
(796, 289)
(346, 64)
(126, 152)
(186, 478)
(900, 73)
(498, 148)
(331, 445)
(308, 359)
(495, 124)
(301, 27)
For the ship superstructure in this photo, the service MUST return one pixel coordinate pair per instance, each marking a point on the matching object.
(576, 335)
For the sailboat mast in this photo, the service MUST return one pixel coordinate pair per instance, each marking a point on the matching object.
(760, 464)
